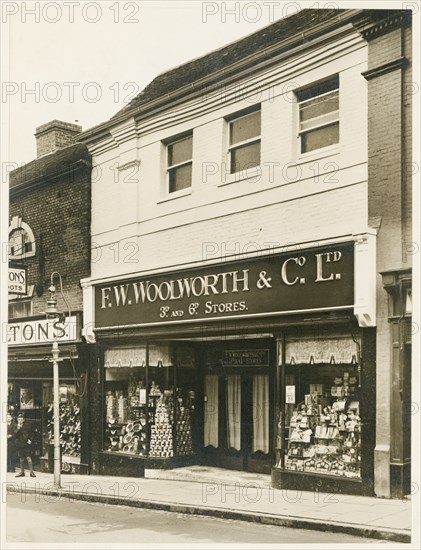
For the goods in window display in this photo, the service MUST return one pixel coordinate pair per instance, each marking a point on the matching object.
(122, 409)
(184, 436)
(69, 427)
(161, 444)
(138, 420)
(324, 431)
(125, 430)
(155, 391)
(111, 406)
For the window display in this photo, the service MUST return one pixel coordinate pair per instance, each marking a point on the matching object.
(126, 410)
(154, 421)
(323, 430)
(70, 438)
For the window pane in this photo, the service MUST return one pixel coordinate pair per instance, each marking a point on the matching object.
(321, 137)
(319, 89)
(245, 128)
(16, 242)
(20, 309)
(320, 121)
(180, 178)
(319, 106)
(245, 157)
(180, 151)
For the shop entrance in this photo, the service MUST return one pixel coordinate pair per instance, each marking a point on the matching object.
(237, 420)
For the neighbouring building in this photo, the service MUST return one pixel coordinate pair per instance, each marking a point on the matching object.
(49, 234)
(250, 287)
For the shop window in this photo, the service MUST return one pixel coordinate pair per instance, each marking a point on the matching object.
(322, 420)
(20, 308)
(179, 163)
(146, 413)
(244, 141)
(319, 115)
(70, 431)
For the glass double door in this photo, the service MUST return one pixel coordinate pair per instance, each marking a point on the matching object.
(237, 421)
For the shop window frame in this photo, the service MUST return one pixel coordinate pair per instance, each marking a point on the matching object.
(163, 372)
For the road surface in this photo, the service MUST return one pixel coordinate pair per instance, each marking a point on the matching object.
(31, 518)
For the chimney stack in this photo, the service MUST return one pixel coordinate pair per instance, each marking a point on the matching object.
(55, 135)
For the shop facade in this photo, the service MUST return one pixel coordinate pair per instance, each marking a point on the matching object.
(30, 388)
(48, 242)
(249, 289)
(259, 365)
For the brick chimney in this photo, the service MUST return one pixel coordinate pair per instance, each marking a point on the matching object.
(55, 135)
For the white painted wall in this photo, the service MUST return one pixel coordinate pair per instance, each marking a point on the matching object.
(136, 226)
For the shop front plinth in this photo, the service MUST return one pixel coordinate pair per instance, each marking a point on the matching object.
(156, 463)
(316, 483)
(118, 464)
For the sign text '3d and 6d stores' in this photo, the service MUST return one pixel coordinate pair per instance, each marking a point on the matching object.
(309, 279)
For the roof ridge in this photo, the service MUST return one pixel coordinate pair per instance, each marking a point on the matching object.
(230, 43)
(258, 41)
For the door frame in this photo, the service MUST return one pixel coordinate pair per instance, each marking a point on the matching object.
(242, 460)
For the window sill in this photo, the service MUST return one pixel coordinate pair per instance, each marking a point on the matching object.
(330, 151)
(176, 195)
(251, 173)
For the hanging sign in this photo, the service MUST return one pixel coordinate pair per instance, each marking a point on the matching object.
(246, 358)
(17, 281)
(311, 279)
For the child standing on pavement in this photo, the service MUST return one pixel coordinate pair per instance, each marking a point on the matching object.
(23, 439)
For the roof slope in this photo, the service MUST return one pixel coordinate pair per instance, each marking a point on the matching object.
(49, 166)
(169, 81)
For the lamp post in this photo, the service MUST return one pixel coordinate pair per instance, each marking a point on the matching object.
(51, 314)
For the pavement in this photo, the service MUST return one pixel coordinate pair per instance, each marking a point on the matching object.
(231, 495)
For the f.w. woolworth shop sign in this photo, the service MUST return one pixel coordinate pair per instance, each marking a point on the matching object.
(312, 279)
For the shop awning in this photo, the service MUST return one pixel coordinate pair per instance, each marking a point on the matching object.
(321, 351)
(159, 355)
(41, 353)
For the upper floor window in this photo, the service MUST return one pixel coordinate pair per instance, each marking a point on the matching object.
(20, 308)
(319, 115)
(244, 141)
(179, 163)
(19, 243)
(21, 239)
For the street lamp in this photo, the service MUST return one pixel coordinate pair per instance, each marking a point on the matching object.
(51, 314)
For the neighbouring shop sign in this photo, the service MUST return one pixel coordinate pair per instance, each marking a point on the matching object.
(17, 281)
(311, 279)
(42, 331)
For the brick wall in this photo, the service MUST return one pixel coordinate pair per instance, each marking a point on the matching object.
(408, 91)
(389, 199)
(59, 216)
